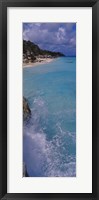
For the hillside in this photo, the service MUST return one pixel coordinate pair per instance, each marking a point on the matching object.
(32, 53)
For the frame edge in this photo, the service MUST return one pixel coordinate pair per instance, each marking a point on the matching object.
(3, 189)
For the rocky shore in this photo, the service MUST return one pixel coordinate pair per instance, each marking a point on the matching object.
(26, 109)
(26, 116)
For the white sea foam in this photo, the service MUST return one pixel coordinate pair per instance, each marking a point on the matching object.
(45, 157)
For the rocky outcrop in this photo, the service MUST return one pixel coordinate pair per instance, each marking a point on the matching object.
(25, 173)
(26, 109)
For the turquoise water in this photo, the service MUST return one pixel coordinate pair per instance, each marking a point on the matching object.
(49, 142)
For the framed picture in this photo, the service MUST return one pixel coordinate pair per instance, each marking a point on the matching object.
(49, 140)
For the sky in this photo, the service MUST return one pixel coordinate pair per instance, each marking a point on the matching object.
(59, 37)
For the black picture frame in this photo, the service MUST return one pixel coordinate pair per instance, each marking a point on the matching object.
(4, 4)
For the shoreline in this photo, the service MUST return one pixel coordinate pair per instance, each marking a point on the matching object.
(38, 62)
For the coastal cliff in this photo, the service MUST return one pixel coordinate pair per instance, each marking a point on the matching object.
(32, 53)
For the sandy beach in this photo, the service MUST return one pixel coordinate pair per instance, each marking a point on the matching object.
(38, 62)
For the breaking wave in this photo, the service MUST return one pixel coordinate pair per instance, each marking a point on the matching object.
(49, 151)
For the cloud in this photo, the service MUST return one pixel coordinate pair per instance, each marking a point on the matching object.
(52, 36)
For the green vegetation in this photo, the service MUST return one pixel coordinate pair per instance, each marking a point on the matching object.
(31, 52)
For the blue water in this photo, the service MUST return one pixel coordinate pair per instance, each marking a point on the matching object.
(49, 139)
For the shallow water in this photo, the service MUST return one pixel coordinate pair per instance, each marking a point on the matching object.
(49, 138)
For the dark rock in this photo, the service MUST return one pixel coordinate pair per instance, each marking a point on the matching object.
(26, 109)
(25, 173)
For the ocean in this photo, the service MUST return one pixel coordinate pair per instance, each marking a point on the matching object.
(49, 137)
